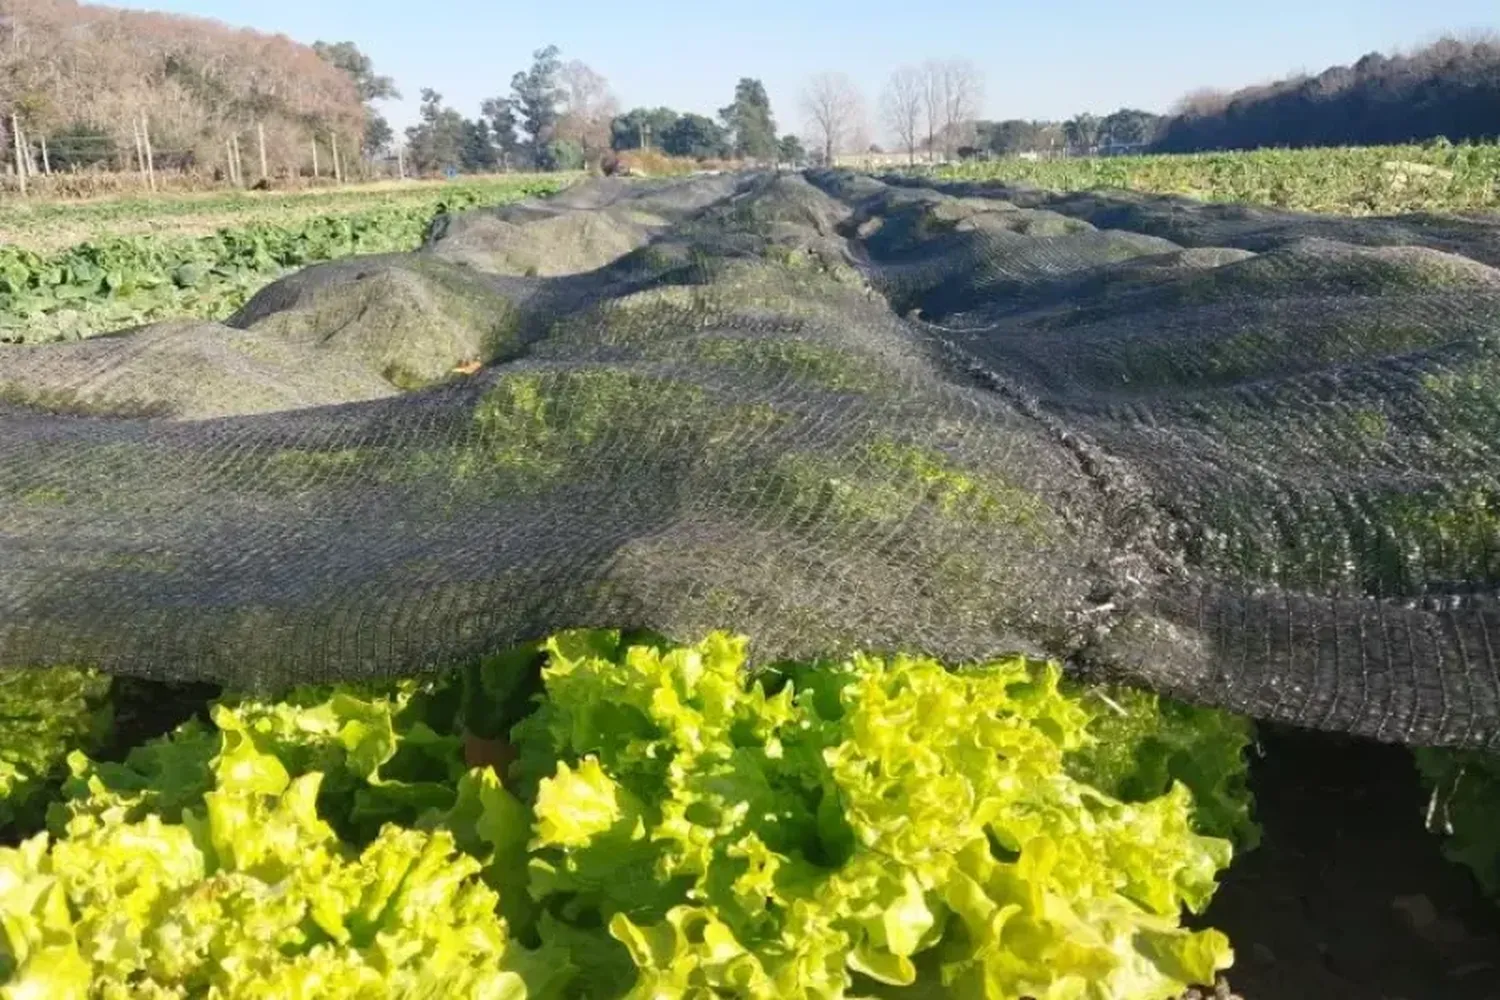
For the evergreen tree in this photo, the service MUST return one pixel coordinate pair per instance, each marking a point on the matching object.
(749, 121)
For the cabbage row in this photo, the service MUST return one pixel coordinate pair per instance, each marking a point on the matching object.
(1383, 180)
(666, 826)
(129, 281)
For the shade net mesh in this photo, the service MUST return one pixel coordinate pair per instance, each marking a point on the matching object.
(1241, 457)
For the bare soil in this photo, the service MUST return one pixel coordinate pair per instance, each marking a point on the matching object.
(1349, 896)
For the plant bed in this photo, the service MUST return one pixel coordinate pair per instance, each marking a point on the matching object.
(669, 827)
(666, 825)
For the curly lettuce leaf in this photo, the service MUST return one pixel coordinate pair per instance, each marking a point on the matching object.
(1140, 744)
(869, 821)
(46, 713)
(380, 760)
(254, 898)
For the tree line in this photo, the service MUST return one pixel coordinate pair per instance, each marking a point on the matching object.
(1450, 89)
(81, 80)
(562, 115)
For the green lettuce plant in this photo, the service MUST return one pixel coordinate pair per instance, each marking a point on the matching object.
(676, 826)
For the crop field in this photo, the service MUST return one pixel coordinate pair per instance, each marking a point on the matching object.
(1377, 181)
(756, 586)
(69, 270)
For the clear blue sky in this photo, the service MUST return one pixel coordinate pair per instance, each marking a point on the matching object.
(1040, 60)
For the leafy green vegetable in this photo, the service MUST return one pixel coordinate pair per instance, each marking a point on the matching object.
(1467, 790)
(45, 713)
(380, 760)
(1142, 744)
(675, 828)
(251, 898)
(123, 281)
(827, 835)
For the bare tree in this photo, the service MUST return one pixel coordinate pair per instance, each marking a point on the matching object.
(931, 75)
(901, 108)
(963, 94)
(834, 111)
(589, 107)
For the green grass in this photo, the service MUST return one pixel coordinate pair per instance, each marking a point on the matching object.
(1355, 181)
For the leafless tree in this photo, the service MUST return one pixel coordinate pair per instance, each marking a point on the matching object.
(931, 75)
(952, 92)
(963, 95)
(834, 112)
(588, 109)
(901, 108)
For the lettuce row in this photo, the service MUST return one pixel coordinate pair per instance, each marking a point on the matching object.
(671, 829)
(252, 897)
(840, 829)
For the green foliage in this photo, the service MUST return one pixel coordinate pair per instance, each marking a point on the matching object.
(697, 137)
(1467, 790)
(438, 141)
(840, 828)
(347, 57)
(537, 100)
(856, 828)
(650, 124)
(128, 281)
(1142, 744)
(789, 149)
(45, 714)
(1359, 181)
(250, 895)
(749, 122)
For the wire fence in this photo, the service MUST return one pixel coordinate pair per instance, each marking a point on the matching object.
(96, 162)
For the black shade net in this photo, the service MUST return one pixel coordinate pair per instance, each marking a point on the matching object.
(1242, 457)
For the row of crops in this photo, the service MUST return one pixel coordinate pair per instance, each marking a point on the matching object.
(117, 282)
(647, 823)
(606, 815)
(1375, 181)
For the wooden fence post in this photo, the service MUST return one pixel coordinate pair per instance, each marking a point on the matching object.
(150, 156)
(140, 148)
(15, 131)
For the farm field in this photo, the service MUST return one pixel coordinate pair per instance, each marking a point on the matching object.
(73, 269)
(1376, 181)
(613, 814)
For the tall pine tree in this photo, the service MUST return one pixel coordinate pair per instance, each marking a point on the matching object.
(749, 121)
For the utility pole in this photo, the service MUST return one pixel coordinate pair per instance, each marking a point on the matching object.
(15, 132)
